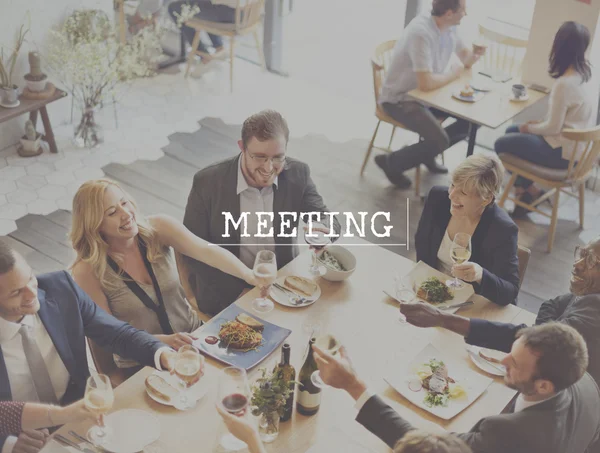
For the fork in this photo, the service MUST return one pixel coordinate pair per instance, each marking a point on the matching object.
(292, 296)
(450, 307)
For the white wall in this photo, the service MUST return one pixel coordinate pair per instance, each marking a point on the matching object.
(45, 14)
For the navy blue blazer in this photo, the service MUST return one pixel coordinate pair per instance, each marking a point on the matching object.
(494, 245)
(69, 315)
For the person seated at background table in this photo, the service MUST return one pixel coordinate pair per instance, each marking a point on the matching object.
(146, 14)
(17, 417)
(43, 325)
(468, 206)
(260, 179)
(571, 106)
(420, 59)
(125, 263)
(556, 410)
(580, 309)
(415, 441)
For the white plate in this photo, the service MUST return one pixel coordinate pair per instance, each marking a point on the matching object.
(198, 390)
(131, 431)
(476, 96)
(279, 296)
(483, 364)
(473, 383)
(521, 99)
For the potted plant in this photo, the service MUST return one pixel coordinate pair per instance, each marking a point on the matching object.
(269, 394)
(30, 142)
(8, 89)
(86, 55)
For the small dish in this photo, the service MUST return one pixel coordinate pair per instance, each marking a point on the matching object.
(198, 390)
(494, 369)
(477, 95)
(282, 298)
(512, 98)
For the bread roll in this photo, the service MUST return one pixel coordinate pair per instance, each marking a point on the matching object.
(301, 285)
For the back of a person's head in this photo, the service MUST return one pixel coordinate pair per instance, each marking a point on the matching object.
(568, 50)
(7, 258)
(441, 7)
(419, 441)
(561, 351)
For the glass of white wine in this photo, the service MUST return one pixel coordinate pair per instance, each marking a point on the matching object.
(188, 365)
(460, 251)
(405, 292)
(99, 399)
(265, 271)
(330, 344)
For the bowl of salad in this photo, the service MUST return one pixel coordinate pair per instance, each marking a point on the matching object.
(339, 263)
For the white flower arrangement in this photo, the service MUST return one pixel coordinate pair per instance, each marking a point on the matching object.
(187, 12)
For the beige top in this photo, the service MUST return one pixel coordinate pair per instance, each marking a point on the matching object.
(444, 261)
(127, 307)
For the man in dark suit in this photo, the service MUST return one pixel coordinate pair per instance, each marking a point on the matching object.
(260, 179)
(555, 412)
(579, 309)
(43, 325)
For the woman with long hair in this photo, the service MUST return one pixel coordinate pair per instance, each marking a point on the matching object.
(125, 262)
(571, 106)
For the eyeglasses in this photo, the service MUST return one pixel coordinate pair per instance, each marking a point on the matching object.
(277, 160)
(591, 259)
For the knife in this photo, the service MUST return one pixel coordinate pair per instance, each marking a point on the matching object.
(82, 439)
(64, 440)
(450, 307)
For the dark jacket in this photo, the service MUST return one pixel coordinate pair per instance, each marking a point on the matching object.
(494, 245)
(214, 192)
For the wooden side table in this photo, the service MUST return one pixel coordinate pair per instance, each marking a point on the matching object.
(33, 106)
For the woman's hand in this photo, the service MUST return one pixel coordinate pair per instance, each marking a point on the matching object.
(468, 271)
(524, 128)
(176, 340)
(243, 429)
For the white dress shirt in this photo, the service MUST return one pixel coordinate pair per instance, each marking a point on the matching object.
(254, 200)
(521, 404)
(19, 376)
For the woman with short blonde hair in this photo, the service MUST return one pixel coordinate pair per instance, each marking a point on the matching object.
(468, 206)
(125, 262)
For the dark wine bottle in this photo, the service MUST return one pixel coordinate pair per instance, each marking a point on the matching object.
(289, 374)
(308, 400)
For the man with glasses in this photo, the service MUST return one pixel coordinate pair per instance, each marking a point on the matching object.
(580, 308)
(260, 179)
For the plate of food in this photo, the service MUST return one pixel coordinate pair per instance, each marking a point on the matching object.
(468, 94)
(238, 338)
(487, 360)
(294, 291)
(438, 384)
(163, 388)
(430, 286)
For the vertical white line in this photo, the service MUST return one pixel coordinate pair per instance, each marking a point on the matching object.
(407, 225)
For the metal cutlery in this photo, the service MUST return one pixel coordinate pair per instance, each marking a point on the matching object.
(292, 296)
(82, 439)
(450, 307)
(65, 441)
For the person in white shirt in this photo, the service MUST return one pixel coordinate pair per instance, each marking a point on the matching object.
(571, 106)
(420, 60)
(556, 410)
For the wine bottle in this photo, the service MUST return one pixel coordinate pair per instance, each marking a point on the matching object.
(308, 400)
(288, 374)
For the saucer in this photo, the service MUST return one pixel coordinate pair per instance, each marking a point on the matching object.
(10, 106)
(521, 99)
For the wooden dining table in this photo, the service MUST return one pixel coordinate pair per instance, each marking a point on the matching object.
(493, 110)
(367, 323)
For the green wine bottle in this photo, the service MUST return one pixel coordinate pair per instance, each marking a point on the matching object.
(289, 374)
(308, 399)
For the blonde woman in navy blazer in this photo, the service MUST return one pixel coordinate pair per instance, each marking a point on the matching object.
(468, 206)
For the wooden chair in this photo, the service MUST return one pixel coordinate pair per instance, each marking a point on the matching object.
(247, 20)
(380, 63)
(105, 364)
(187, 289)
(523, 254)
(504, 53)
(557, 180)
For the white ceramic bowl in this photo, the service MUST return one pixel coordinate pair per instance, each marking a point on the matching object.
(346, 259)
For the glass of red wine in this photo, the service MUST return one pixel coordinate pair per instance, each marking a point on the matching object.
(233, 396)
(317, 239)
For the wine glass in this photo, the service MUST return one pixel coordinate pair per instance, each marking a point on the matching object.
(188, 365)
(99, 399)
(317, 240)
(330, 344)
(265, 271)
(233, 396)
(405, 292)
(460, 251)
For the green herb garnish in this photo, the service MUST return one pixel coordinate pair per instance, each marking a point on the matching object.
(435, 291)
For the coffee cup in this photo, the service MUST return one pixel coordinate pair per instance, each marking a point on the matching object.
(519, 90)
(479, 48)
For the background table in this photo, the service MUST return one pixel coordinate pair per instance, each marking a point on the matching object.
(366, 321)
(492, 111)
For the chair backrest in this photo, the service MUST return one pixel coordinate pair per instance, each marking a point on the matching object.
(381, 62)
(523, 253)
(248, 13)
(105, 364)
(504, 53)
(586, 152)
